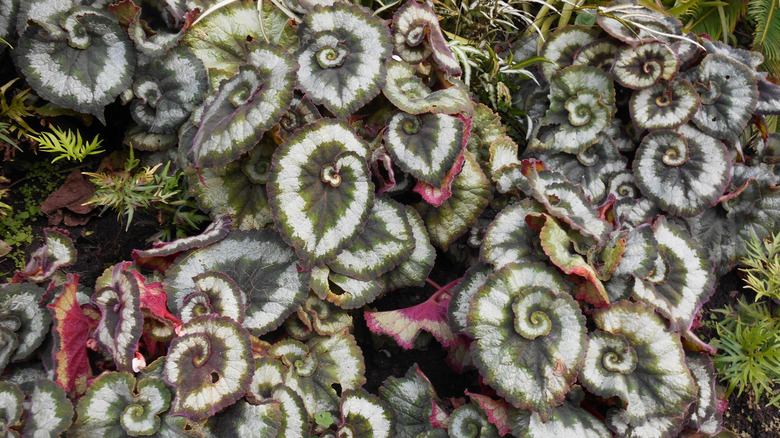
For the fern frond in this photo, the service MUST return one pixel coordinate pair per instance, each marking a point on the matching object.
(704, 17)
(67, 145)
(765, 15)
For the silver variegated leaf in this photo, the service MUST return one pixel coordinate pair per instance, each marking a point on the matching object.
(412, 400)
(632, 23)
(121, 321)
(682, 278)
(21, 314)
(57, 252)
(417, 36)
(634, 357)
(647, 64)
(342, 54)
(665, 105)
(413, 271)
(599, 53)
(11, 410)
(365, 415)
(313, 368)
(219, 39)
(141, 139)
(468, 418)
(655, 427)
(509, 239)
(210, 364)
(471, 193)
(684, 172)
(529, 336)
(245, 106)
(425, 145)
(582, 102)
(704, 416)
(116, 405)
(216, 293)
(729, 95)
(561, 46)
(47, 409)
(408, 92)
(462, 293)
(83, 63)
(260, 264)
(281, 414)
(167, 90)
(237, 189)
(384, 243)
(320, 190)
(768, 98)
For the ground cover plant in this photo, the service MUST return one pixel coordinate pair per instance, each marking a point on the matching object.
(561, 205)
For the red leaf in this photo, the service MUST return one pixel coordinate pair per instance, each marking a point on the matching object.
(404, 324)
(71, 330)
(154, 299)
(496, 410)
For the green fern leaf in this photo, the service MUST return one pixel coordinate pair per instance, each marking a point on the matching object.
(704, 17)
(766, 16)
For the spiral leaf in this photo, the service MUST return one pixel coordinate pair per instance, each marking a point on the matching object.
(385, 241)
(365, 415)
(642, 66)
(599, 53)
(561, 47)
(635, 358)
(167, 90)
(245, 106)
(406, 91)
(21, 315)
(417, 36)
(121, 320)
(684, 172)
(341, 59)
(47, 409)
(469, 421)
(260, 264)
(582, 102)
(317, 177)
(83, 64)
(665, 105)
(682, 279)
(729, 95)
(529, 338)
(210, 364)
(57, 252)
(216, 293)
(509, 239)
(116, 405)
(11, 409)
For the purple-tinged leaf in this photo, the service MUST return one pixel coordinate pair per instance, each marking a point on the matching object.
(121, 321)
(417, 36)
(20, 312)
(404, 325)
(163, 254)
(210, 364)
(58, 251)
(665, 105)
(47, 409)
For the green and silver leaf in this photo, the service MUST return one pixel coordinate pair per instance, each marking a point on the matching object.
(320, 190)
(729, 95)
(364, 415)
(645, 65)
(167, 90)
(47, 409)
(245, 106)
(408, 92)
(413, 271)
(215, 293)
(82, 63)
(384, 243)
(599, 53)
(260, 264)
(509, 239)
(21, 314)
(529, 336)
(424, 145)
(469, 421)
(342, 57)
(463, 292)
(665, 105)
(10, 407)
(412, 400)
(417, 36)
(684, 172)
(121, 321)
(682, 279)
(116, 405)
(582, 103)
(471, 194)
(210, 364)
(634, 357)
(704, 416)
(561, 46)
